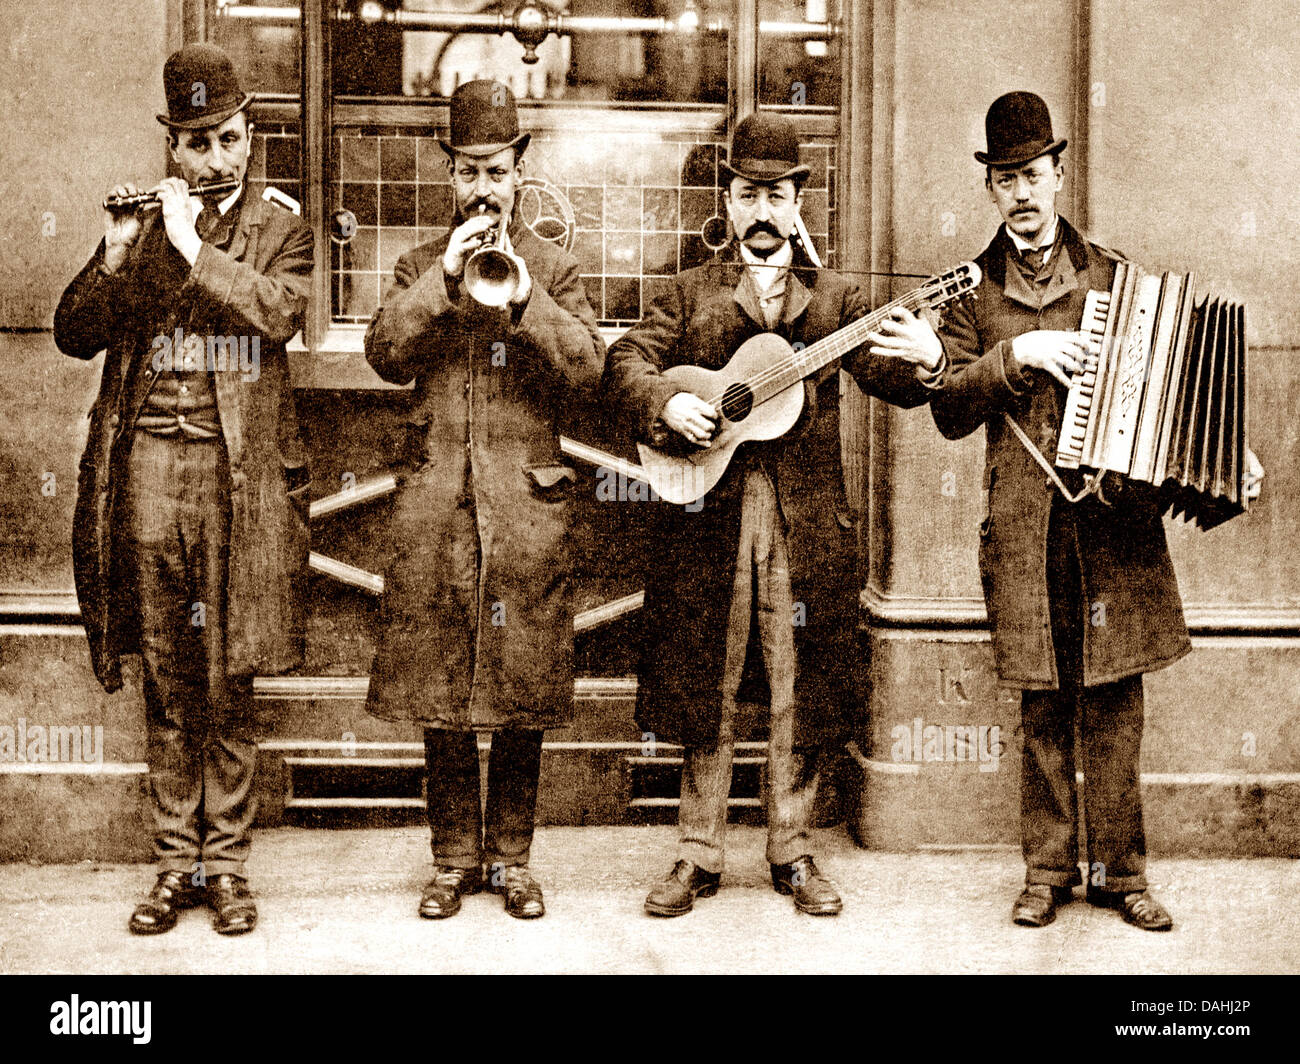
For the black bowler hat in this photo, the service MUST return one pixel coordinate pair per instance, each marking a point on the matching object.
(765, 148)
(484, 120)
(1018, 128)
(201, 88)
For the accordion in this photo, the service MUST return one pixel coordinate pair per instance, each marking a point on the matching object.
(1161, 397)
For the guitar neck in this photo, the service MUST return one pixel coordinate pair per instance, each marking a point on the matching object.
(804, 363)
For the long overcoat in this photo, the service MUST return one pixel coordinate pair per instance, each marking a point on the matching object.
(1134, 617)
(701, 318)
(254, 289)
(477, 618)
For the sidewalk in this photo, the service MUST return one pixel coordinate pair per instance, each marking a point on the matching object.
(344, 901)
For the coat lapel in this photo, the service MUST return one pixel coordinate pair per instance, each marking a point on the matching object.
(1064, 280)
(247, 228)
(797, 296)
(746, 296)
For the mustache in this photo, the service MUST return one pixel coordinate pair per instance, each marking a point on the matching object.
(471, 208)
(762, 227)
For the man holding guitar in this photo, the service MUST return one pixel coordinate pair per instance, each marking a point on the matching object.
(763, 573)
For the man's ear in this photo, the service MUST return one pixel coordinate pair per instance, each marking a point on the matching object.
(173, 144)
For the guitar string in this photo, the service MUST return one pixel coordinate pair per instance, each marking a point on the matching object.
(921, 294)
(792, 363)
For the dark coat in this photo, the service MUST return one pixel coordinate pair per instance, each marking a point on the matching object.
(479, 635)
(258, 287)
(701, 318)
(1125, 561)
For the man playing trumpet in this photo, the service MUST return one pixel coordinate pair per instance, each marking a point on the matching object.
(478, 615)
(190, 535)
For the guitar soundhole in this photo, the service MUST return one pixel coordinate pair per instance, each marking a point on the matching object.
(737, 402)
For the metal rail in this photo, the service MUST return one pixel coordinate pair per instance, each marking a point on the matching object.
(531, 19)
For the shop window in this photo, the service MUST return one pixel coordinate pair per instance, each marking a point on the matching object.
(628, 106)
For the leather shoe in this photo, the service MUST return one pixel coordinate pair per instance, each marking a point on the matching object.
(1137, 907)
(522, 893)
(1036, 906)
(813, 892)
(232, 904)
(171, 892)
(676, 894)
(442, 894)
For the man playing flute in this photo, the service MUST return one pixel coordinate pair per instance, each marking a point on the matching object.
(190, 536)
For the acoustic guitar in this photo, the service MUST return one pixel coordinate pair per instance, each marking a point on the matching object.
(758, 394)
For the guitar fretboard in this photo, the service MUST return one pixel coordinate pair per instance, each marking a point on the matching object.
(805, 362)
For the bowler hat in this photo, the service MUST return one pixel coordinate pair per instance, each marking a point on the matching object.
(484, 120)
(1018, 128)
(201, 88)
(765, 148)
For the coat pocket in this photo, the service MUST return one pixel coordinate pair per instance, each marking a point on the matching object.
(297, 484)
(552, 481)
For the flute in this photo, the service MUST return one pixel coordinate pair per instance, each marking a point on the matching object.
(146, 199)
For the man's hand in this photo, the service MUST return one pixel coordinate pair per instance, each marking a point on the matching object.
(121, 230)
(1252, 477)
(465, 239)
(178, 217)
(906, 336)
(690, 416)
(1053, 351)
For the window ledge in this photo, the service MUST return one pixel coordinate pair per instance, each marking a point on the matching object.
(339, 360)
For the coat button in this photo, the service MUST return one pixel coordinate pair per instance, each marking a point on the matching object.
(113, 420)
(180, 418)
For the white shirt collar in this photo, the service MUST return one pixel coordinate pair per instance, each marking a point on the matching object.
(196, 204)
(1048, 240)
(766, 272)
(229, 201)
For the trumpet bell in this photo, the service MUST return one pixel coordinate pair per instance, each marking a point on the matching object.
(492, 276)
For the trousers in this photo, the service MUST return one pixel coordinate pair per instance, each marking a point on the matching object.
(200, 722)
(760, 594)
(459, 835)
(1109, 721)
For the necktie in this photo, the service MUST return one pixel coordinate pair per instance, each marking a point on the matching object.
(1034, 259)
(207, 221)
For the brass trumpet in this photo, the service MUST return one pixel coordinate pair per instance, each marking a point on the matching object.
(492, 274)
(149, 199)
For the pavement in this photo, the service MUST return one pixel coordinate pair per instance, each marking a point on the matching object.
(344, 901)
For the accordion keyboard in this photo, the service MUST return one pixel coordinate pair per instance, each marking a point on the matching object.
(1078, 403)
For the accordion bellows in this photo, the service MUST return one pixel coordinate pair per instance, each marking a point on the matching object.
(1162, 394)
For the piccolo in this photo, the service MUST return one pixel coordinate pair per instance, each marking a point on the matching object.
(144, 199)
